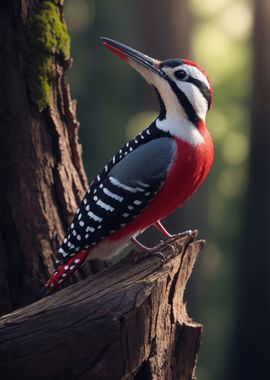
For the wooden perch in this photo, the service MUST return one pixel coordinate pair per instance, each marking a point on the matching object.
(128, 322)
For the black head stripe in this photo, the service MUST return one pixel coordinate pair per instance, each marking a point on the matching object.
(171, 63)
(188, 107)
(162, 113)
(202, 87)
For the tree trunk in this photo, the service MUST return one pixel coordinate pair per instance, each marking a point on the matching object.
(128, 322)
(41, 171)
(250, 350)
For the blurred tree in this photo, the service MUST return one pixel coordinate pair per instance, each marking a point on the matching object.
(250, 349)
(42, 176)
(164, 31)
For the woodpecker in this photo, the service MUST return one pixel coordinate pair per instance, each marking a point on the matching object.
(152, 174)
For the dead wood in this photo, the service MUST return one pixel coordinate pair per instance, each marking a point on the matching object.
(127, 322)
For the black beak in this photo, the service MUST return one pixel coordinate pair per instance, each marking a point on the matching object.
(127, 53)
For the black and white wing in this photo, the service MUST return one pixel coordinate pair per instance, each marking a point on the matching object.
(119, 194)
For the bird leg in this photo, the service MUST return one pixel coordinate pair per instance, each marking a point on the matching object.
(165, 233)
(154, 251)
(162, 229)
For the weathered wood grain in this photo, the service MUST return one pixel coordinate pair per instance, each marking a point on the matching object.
(127, 322)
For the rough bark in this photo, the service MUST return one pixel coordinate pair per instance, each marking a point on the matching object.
(128, 322)
(41, 171)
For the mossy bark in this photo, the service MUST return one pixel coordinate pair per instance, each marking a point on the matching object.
(48, 38)
(41, 171)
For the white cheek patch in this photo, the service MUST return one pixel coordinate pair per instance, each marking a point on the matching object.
(197, 74)
(195, 97)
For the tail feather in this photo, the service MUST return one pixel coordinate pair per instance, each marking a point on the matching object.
(66, 269)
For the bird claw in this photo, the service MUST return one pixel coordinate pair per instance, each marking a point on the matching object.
(179, 235)
(144, 256)
(173, 249)
(158, 254)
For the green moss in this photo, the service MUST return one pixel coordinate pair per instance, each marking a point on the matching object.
(48, 37)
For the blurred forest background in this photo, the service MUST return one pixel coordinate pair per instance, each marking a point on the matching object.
(229, 291)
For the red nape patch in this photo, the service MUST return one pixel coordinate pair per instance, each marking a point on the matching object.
(116, 51)
(66, 269)
(192, 63)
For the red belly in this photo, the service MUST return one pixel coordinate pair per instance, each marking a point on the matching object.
(191, 166)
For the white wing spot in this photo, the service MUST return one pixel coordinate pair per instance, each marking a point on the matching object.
(142, 184)
(105, 206)
(125, 215)
(137, 202)
(115, 182)
(91, 229)
(94, 216)
(81, 223)
(112, 195)
(78, 237)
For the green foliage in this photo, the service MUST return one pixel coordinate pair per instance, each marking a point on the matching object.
(48, 36)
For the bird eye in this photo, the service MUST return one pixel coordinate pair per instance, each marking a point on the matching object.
(181, 74)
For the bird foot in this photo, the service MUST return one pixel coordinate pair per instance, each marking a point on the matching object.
(191, 234)
(154, 251)
(141, 256)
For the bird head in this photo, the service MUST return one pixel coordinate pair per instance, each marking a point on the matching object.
(183, 86)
